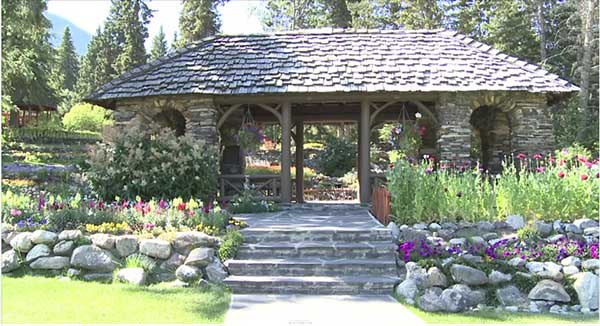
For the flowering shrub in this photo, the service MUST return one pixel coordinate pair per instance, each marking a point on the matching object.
(536, 187)
(248, 202)
(153, 166)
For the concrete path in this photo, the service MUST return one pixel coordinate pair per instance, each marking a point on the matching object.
(313, 310)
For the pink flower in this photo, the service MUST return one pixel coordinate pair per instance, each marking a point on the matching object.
(149, 226)
(561, 174)
(584, 177)
(162, 204)
(537, 156)
(540, 169)
(521, 156)
(16, 212)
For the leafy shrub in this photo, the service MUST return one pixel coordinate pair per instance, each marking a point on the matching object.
(338, 157)
(112, 228)
(75, 218)
(140, 261)
(248, 202)
(153, 166)
(528, 233)
(86, 117)
(232, 240)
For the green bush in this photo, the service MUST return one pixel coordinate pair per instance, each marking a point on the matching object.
(86, 117)
(232, 240)
(338, 158)
(248, 202)
(159, 165)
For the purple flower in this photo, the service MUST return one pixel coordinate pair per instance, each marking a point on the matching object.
(21, 223)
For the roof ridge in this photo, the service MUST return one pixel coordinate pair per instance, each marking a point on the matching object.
(523, 64)
(334, 30)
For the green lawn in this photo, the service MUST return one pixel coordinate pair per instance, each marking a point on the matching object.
(50, 300)
(492, 317)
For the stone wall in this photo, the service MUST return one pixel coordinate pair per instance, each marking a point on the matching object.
(200, 114)
(189, 258)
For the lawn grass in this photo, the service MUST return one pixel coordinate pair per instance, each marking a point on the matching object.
(493, 317)
(31, 299)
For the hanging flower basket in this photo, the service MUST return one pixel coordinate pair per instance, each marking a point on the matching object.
(250, 136)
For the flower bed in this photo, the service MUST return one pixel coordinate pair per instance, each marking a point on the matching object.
(507, 264)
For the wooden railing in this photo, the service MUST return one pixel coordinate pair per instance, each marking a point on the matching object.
(381, 205)
(267, 185)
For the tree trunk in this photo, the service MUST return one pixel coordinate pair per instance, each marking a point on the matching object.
(587, 11)
(541, 18)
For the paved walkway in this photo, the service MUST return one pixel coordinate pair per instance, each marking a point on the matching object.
(313, 310)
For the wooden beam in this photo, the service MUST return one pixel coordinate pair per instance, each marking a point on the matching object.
(364, 161)
(299, 161)
(286, 177)
(355, 97)
(226, 115)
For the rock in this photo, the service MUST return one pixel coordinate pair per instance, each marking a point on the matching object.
(511, 308)
(572, 228)
(99, 277)
(414, 235)
(407, 290)
(103, 240)
(517, 262)
(445, 234)
(585, 310)
(93, 258)
(186, 241)
(200, 257)
(215, 271)
(22, 242)
(576, 308)
(44, 237)
(594, 231)
(155, 248)
(511, 296)
(173, 262)
(516, 222)
(550, 291)
(555, 309)
(394, 230)
(420, 226)
(460, 242)
(533, 307)
(556, 238)
(591, 264)
(188, 273)
(73, 272)
(10, 261)
(544, 229)
(557, 226)
(455, 299)
(477, 241)
(490, 236)
(468, 275)
(436, 277)
(135, 275)
(418, 274)
(64, 248)
(586, 286)
(584, 223)
(56, 262)
(554, 267)
(430, 300)
(40, 250)
(570, 270)
(550, 274)
(70, 235)
(497, 277)
(434, 227)
(473, 258)
(126, 245)
(535, 267)
(485, 226)
(571, 261)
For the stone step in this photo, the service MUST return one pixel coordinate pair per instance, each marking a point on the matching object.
(312, 284)
(325, 250)
(255, 235)
(312, 267)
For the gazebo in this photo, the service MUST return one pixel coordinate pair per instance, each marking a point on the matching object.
(460, 86)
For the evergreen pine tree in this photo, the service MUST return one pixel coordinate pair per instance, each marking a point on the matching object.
(199, 19)
(67, 66)
(159, 45)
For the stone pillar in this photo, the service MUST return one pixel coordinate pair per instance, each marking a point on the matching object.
(286, 178)
(364, 165)
(201, 117)
(299, 161)
(454, 133)
(532, 129)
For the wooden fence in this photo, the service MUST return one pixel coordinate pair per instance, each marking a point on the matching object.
(381, 205)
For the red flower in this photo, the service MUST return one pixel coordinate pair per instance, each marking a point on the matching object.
(584, 177)
(561, 174)
(521, 156)
(181, 206)
(537, 156)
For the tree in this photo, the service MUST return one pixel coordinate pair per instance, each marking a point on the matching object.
(421, 14)
(96, 66)
(67, 63)
(27, 55)
(159, 45)
(199, 19)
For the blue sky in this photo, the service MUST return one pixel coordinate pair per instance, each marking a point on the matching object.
(237, 16)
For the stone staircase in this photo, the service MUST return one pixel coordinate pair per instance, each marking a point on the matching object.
(325, 260)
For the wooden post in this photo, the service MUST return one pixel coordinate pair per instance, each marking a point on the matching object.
(364, 157)
(299, 161)
(286, 177)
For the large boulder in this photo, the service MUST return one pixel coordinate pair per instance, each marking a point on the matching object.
(215, 271)
(436, 277)
(64, 248)
(550, 291)
(584, 223)
(515, 221)
(430, 300)
(407, 290)
(200, 257)
(590, 264)
(22, 242)
(571, 261)
(134, 275)
(418, 274)
(455, 299)
(187, 241)
(586, 286)
(10, 261)
(126, 245)
(496, 277)
(468, 275)
(511, 296)
(173, 262)
(411, 234)
(103, 240)
(544, 229)
(394, 230)
(188, 273)
(93, 258)
(44, 237)
(56, 262)
(40, 250)
(70, 235)
(156, 248)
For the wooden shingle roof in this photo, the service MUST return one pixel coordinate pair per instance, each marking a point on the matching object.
(324, 61)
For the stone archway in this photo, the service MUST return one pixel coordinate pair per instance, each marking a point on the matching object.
(172, 119)
(492, 133)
